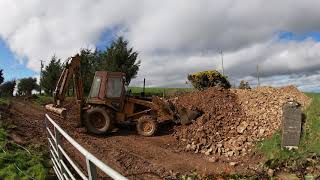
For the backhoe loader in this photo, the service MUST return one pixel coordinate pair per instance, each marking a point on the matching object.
(108, 103)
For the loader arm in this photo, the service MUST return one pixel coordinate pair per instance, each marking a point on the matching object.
(71, 69)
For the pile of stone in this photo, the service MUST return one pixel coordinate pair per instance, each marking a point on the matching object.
(296, 94)
(233, 120)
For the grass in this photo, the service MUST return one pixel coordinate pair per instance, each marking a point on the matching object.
(17, 162)
(311, 137)
(43, 99)
(167, 92)
(309, 143)
(4, 102)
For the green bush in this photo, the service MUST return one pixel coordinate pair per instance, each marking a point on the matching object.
(205, 79)
(244, 85)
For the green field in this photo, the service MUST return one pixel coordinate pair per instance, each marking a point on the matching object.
(156, 91)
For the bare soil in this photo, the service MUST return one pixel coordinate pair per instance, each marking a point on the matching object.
(132, 155)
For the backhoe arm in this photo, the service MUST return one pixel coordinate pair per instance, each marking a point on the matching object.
(71, 69)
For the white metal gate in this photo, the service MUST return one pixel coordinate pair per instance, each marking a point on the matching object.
(60, 158)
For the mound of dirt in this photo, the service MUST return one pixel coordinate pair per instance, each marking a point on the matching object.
(233, 120)
(300, 97)
(221, 115)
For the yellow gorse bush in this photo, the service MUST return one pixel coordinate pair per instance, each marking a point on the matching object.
(210, 78)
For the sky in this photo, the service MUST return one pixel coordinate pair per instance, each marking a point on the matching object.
(173, 37)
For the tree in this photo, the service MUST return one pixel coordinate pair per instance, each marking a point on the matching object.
(7, 88)
(1, 76)
(26, 86)
(244, 85)
(119, 57)
(205, 79)
(88, 66)
(50, 75)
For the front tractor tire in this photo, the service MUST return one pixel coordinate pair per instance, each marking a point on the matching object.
(147, 126)
(97, 120)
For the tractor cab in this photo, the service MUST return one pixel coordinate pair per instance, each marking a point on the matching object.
(108, 88)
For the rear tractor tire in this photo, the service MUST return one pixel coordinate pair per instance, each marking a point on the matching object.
(97, 120)
(147, 126)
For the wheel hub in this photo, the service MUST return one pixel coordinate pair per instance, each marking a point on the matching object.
(147, 127)
(97, 120)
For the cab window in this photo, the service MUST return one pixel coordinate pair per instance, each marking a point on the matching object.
(94, 92)
(114, 87)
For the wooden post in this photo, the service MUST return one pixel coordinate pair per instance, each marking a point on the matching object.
(40, 89)
(144, 85)
(221, 53)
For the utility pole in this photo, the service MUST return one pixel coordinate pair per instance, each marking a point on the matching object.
(258, 75)
(221, 53)
(144, 87)
(41, 61)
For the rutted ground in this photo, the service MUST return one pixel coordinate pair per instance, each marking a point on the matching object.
(125, 151)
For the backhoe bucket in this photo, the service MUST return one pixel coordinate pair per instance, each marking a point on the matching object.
(62, 112)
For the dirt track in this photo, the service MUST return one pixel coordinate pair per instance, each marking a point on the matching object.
(132, 155)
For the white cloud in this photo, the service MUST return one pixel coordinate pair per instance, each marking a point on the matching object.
(174, 38)
(275, 58)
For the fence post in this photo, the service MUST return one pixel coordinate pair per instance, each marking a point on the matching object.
(92, 171)
(60, 156)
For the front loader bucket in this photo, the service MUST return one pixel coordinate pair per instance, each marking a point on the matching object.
(186, 115)
(179, 114)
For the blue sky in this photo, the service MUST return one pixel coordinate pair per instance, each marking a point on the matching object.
(299, 37)
(15, 69)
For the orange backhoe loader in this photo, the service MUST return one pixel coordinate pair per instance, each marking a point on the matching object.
(108, 103)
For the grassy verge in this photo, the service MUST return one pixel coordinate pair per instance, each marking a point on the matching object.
(4, 102)
(17, 162)
(309, 148)
(311, 136)
(43, 99)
